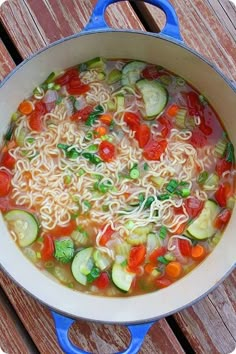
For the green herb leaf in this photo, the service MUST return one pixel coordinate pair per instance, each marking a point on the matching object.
(163, 232)
(230, 153)
(93, 117)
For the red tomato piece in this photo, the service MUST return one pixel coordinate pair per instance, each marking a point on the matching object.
(193, 206)
(143, 135)
(67, 76)
(205, 129)
(151, 72)
(222, 166)
(77, 90)
(5, 183)
(102, 281)
(162, 282)
(185, 247)
(222, 194)
(222, 218)
(154, 150)
(4, 205)
(158, 252)
(75, 82)
(166, 126)
(48, 248)
(198, 139)
(7, 160)
(136, 256)
(106, 236)
(82, 114)
(106, 151)
(193, 103)
(132, 120)
(40, 107)
(59, 231)
(35, 121)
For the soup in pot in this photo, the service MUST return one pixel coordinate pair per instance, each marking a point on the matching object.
(116, 177)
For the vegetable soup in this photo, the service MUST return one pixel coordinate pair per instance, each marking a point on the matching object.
(116, 177)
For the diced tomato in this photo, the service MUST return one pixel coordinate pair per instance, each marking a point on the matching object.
(132, 120)
(106, 151)
(67, 76)
(162, 282)
(7, 160)
(82, 114)
(48, 248)
(158, 252)
(222, 166)
(59, 231)
(102, 281)
(222, 218)
(166, 126)
(77, 90)
(35, 118)
(154, 149)
(143, 135)
(106, 236)
(223, 192)
(40, 107)
(198, 139)
(151, 72)
(185, 247)
(193, 103)
(136, 256)
(205, 129)
(5, 183)
(75, 82)
(193, 206)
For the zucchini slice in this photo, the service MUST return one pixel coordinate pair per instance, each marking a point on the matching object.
(203, 228)
(155, 97)
(121, 278)
(131, 72)
(82, 264)
(24, 225)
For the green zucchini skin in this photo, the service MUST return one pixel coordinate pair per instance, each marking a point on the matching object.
(202, 228)
(121, 278)
(24, 225)
(155, 97)
(131, 72)
(79, 263)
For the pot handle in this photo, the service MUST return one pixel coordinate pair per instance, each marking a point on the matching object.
(63, 324)
(171, 29)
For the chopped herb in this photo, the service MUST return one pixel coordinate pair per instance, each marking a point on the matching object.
(172, 186)
(57, 87)
(94, 159)
(124, 263)
(15, 116)
(64, 250)
(134, 173)
(163, 197)
(145, 166)
(38, 255)
(163, 232)
(67, 179)
(71, 153)
(149, 202)
(203, 100)
(229, 156)
(87, 204)
(59, 100)
(89, 136)
(9, 132)
(93, 148)
(81, 172)
(50, 78)
(202, 177)
(30, 140)
(94, 274)
(185, 192)
(141, 197)
(74, 216)
(93, 117)
(105, 208)
(162, 260)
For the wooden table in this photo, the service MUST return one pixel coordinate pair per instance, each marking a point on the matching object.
(209, 326)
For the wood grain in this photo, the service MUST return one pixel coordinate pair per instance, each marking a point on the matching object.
(6, 62)
(31, 31)
(205, 28)
(96, 338)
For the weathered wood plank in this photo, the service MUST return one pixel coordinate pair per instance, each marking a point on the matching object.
(11, 340)
(6, 62)
(202, 30)
(31, 31)
(96, 338)
(210, 324)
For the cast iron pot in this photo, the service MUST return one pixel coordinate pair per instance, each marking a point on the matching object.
(166, 49)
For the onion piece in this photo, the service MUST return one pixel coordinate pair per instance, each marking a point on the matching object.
(50, 96)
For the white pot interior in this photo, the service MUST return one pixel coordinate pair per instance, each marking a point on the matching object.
(221, 96)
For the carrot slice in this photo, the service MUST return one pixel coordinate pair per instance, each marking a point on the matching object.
(172, 110)
(106, 119)
(100, 131)
(174, 269)
(198, 252)
(26, 107)
(149, 267)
